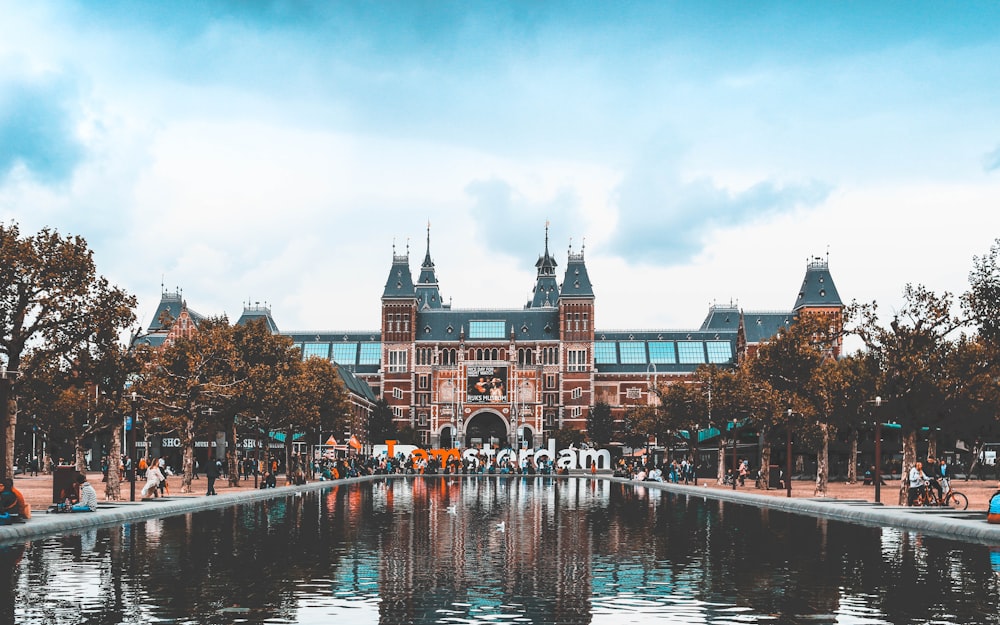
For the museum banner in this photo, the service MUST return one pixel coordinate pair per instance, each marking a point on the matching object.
(486, 384)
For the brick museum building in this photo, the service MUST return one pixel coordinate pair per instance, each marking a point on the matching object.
(469, 377)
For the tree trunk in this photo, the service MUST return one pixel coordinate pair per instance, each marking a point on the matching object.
(852, 467)
(823, 460)
(232, 458)
(112, 488)
(187, 457)
(10, 418)
(931, 444)
(81, 456)
(909, 460)
(765, 465)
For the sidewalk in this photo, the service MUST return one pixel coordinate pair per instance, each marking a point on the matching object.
(37, 490)
(978, 492)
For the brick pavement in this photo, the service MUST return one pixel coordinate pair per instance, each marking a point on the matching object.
(37, 490)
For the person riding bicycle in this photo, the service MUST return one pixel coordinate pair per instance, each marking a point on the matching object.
(917, 481)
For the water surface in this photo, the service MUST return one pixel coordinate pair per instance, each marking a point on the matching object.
(496, 550)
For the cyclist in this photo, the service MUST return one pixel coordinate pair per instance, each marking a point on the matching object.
(917, 480)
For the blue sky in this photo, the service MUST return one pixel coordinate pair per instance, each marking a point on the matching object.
(702, 151)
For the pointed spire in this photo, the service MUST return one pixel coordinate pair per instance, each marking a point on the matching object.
(428, 293)
(546, 290)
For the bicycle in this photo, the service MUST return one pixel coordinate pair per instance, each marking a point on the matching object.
(950, 498)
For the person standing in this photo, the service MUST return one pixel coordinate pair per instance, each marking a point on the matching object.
(212, 472)
(153, 477)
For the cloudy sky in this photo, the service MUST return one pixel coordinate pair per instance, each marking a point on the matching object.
(701, 151)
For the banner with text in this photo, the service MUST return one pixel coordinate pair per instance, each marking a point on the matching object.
(486, 384)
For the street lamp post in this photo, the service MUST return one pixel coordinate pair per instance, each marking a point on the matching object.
(878, 451)
(735, 468)
(788, 457)
(131, 445)
(256, 467)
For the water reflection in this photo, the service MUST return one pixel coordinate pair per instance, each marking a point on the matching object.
(500, 550)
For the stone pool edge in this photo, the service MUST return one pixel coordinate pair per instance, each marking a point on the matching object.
(944, 523)
(970, 526)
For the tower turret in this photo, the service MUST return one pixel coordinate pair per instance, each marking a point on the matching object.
(428, 293)
(546, 291)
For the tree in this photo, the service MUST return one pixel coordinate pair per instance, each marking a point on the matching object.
(683, 408)
(567, 437)
(912, 354)
(600, 424)
(380, 425)
(788, 371)
(51, 300)
(187, 381)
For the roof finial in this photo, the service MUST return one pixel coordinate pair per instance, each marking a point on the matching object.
(546, 237)
(571, 245)
(394, 247)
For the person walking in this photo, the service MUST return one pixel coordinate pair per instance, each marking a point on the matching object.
(212, 473)
(153, 478)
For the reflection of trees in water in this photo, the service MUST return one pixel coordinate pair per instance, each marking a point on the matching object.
(568, 545)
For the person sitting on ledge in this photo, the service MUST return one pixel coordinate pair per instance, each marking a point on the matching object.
(269, 480)
(88, 496)
(13, 508)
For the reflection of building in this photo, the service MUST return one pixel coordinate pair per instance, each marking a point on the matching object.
(513, 376)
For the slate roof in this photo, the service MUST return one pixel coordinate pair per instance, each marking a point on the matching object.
(356, 386)
(762, 326)
(173, 303)
(817, 287)
(255, 312)
(576, 283)
(725, 318)
(399, 284)
(528, 324)
(545, 294)
(428, 293)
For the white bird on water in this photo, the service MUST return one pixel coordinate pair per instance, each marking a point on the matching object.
(451, 509)
(502, 526)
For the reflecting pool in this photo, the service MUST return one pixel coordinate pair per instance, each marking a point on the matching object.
(497, 550)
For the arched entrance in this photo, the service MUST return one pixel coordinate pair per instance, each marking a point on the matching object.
(486, 429)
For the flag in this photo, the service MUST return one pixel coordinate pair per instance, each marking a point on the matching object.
(354, 442)
(331, 441)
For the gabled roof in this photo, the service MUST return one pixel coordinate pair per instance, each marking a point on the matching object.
(399, 284)
(527, 324)
(763, 326)
(255, 312)
(170, 308)
(817, 286)
(576, 283)
(722, 318)
(356, 386)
